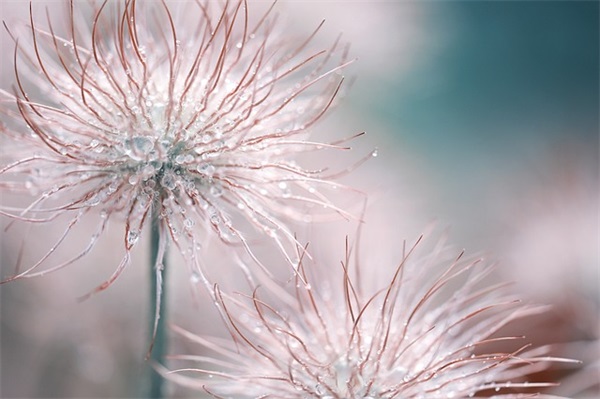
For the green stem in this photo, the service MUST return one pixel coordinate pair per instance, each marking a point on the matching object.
(160, 340)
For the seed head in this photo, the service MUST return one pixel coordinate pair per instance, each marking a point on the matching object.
(194, 115)
(425, 331)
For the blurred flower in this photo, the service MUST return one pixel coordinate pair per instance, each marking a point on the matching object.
(428, 330)
(550, 241)
(194, 124)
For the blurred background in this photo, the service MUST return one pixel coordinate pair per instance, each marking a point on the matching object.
(485, 116)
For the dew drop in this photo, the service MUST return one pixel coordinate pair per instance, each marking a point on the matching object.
(206, 137)
(206, 169)
(140, 145)
(188, 223)
(148, 171)
(133, 179)
(94, 200)
(132, 237)
(375, 153)
(168, 181)
(216, 191)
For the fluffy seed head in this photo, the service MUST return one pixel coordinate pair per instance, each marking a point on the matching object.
(424, 331)
(192, 113)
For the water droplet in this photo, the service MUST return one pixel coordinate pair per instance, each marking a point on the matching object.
(94, 200)
(148, 171)
(139, 145)
(206, 169)
(216, 191)
(206, 137)
(375, 153)
(132, 237)
(168, 181)
(188, 223)
(133, 179)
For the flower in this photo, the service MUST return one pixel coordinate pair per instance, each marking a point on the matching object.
(427, 330)
(196, 124)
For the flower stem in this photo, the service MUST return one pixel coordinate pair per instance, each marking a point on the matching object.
(158, 342)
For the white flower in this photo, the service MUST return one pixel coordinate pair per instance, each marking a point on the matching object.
(427, 330)
(192, 117)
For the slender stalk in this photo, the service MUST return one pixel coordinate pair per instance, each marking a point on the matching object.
(157, 287)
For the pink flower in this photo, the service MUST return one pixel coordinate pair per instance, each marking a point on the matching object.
(193, 117)
(424, 330)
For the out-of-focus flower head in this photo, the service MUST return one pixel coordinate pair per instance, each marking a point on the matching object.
(551, 246)
(425, 330)
(196, 116)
